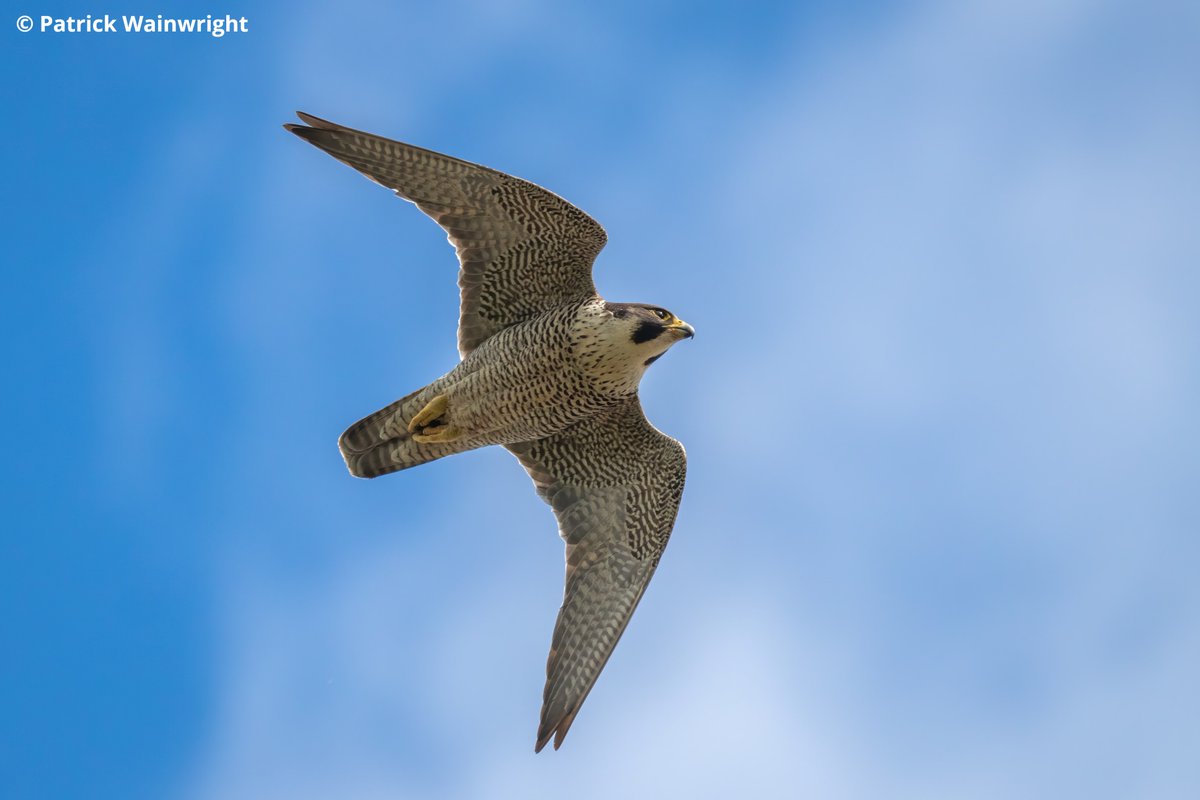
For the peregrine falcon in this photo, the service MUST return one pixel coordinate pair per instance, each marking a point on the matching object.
(550, 371)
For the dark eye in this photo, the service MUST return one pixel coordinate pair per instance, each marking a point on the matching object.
(661, 314)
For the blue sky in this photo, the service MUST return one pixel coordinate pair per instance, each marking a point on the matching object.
(940, 532)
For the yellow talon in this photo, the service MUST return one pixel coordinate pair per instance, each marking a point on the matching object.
(437, 434)
(428, 415)
(428, 427)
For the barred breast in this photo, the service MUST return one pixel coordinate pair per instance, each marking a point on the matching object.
(526, 382)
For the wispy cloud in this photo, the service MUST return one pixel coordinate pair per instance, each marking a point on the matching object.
(941, 411)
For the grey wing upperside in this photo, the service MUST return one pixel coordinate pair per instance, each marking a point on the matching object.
(614, 482)
(522, 250)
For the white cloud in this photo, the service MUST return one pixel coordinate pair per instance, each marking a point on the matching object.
(948, 588)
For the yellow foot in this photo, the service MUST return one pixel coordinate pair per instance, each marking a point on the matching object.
(429, 414)
(436, 434)
(429, 426)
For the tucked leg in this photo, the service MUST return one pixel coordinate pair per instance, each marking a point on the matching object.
(429, 425)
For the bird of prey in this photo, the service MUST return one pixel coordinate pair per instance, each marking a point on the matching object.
(549, 370)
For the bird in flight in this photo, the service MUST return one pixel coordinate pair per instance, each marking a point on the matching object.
(548, 370)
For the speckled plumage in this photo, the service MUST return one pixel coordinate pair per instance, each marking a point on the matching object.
(549, 370)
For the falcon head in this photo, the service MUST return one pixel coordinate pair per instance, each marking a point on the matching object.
(648, 330)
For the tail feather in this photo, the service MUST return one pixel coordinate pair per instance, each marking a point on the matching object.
(379, 443)
(372, 430)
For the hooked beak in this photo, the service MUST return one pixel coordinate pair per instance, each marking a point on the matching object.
(684, 330)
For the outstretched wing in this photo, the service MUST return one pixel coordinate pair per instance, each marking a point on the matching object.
(521, 249)
(614, 482)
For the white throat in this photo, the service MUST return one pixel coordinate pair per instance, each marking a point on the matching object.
(606, 353)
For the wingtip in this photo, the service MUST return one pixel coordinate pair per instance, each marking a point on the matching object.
(545, 733)
(317, 122)
(541, 743)
(557, 732)
(544, 736)
(303, 131)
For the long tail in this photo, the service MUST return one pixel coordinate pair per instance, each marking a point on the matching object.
(380, 443)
